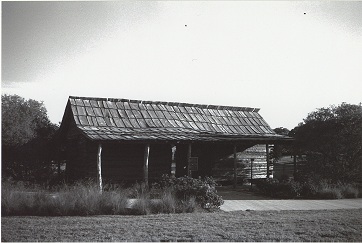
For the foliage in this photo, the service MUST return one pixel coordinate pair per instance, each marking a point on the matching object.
(79, 199)
(280, 149)
(203, 190)
(332, 140)
(275, 188)
(84, 198)
(158, 200)
(23, 120)
(26, 135)
(320, 189)
(168, 203)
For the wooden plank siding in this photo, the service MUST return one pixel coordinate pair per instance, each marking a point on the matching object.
(223, 169)
(81, 159)
(207, 154)
(122, 162)
(160, 161)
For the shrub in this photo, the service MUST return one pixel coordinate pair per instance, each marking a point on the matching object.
(309, 188)
(322, 189)
(329, 193)
(275, 188)
(203, 190)
(349, 190)
(188, 206)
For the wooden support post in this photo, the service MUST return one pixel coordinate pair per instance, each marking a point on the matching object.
(99, 163)
(145, 163)
(235, 166)
(173, 162)
(189, 151)
(251, 174)
(267, 161)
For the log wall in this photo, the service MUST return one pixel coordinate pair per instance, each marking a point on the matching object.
(160, 161)
(122, 162)
(223, 169)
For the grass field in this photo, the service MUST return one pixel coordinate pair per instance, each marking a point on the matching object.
(326, 225)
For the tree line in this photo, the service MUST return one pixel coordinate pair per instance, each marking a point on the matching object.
(330, 138)
(26, 140)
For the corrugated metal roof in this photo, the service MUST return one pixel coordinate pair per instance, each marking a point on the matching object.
(123, 119)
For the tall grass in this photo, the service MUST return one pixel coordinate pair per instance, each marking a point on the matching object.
(79, 199)
(84, 198)
(337, 191)
(166, 201)
(319, 189)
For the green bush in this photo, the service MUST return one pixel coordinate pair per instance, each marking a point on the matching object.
(275, 188)
(185, 188)
(350, 191)
(309, 188)
(319, 189)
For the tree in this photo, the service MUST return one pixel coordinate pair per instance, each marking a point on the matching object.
(280, 149)
(26, 132)
(281, 131)
(332, 140)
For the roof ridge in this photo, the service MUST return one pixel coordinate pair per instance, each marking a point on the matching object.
(179, 104)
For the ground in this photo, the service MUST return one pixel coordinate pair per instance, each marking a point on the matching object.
(324, 225)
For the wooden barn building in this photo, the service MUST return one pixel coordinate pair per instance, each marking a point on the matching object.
(121, 140)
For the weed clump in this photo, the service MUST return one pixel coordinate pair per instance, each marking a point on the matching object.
(82, 198)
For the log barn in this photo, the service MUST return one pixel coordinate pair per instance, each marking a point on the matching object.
(121, 140)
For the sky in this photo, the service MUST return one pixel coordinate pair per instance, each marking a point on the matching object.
(287, 58)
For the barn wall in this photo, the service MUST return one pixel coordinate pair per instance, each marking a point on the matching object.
(258, 153)
(122, 162)
(223, 169)
(80, 160)
(159, 161)
(181, 159)
(207, 154)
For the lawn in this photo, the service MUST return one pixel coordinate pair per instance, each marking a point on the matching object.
(326, 225)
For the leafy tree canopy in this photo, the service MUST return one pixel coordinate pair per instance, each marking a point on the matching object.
(280, 149)
(281, 131)
(332, 137)
(26, 134)
(22, 120)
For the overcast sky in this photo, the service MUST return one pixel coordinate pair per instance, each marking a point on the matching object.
(287, 58)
